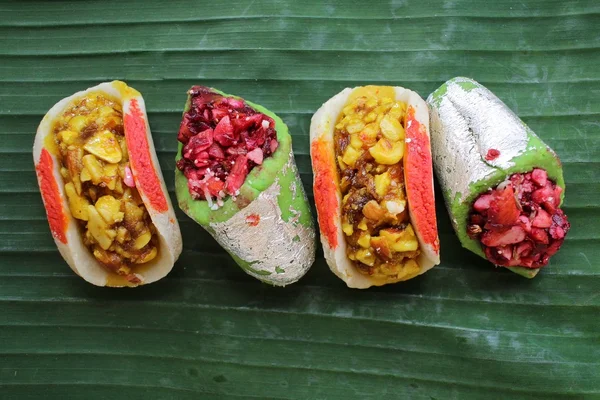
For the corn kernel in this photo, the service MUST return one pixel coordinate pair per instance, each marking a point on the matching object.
(371, 102)
(341, 163)
(105, 145)
(364, 240)
(347, 228)
(97, 228)
(142, 240)
(122, 235)
(397, 111)
(365, 256)
(355, 141)
(350, 156)
(385, 152)
(362, 225)
(391, 128)
(77, 204)
(64, 172)
(85, 175)
(382, 183)
(370, 117)
(133, 213)
(67, 137)
(110, 209)
(94, 167)
(78, 123)
(401, 241)
(355, 126)
(369, 134)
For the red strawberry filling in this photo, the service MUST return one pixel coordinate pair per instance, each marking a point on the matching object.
(519, 223)
(223, 139)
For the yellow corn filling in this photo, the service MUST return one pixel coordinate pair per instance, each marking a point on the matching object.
(369, 145)
(94, 162)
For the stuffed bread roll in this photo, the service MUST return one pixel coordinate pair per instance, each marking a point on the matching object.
(373, 185)
(237, 178)
(102, 187)
(502, 184)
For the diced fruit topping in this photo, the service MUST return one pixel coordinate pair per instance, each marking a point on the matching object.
(100, 187)
(519, 223)
(224, 139)
(369, 148)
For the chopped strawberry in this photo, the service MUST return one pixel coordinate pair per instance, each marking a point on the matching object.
(503, 208)
(214, 186)
(256, 155)
(224, 134)
(539, 177)
(557, 232)
(514, 234)
(237, 150)
(483, 202)
(525, 223)
(216, 152)
(535, 235)
(216, 131)
(524, 249)
(237, 175)
(545, 197)
(539, 235)
(202, 159)
(542, 219)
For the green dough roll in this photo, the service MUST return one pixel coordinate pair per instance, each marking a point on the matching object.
(236, 177)
(503, 186)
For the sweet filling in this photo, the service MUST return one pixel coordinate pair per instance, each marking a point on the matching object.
(99, 185)
(369, 147)
(519, 223)
(223, 140)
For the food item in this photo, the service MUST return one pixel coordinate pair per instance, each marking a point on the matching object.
(373, 185)
(104, 194)
(503, 186)
(237, 178)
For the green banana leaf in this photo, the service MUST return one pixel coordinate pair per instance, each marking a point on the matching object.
(464, 330)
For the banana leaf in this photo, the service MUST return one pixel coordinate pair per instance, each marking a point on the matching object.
(466, 330)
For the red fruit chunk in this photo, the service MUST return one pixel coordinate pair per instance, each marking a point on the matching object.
(545, 197)
(185, 133)
(522, 224)
(525, 223)
(224, 132)
(256, 155)
(542, 219)
(539, 235)
(236, 177)
(503, 207)
(483, 202)
(198, 144)
(218, 132)
(514, 234)
(539, 177)
(524, 249)
(214, 186)
(216, 152)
